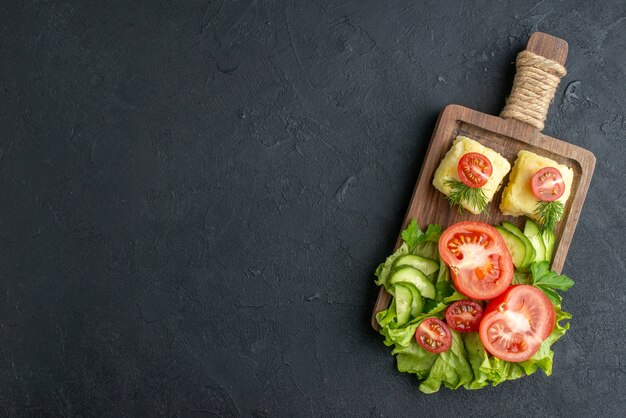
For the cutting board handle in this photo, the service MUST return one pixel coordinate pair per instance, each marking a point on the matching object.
(540, 68)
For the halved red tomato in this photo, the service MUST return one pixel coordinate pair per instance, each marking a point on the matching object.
(547, 184)
(516, 323)
(433, 335)
(480, 264)
(474, 169)
(464, 316)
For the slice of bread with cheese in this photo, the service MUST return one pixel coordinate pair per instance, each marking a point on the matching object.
(448, 170)
(518, 198)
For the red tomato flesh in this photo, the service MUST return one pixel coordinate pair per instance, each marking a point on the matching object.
(433, 335)
(480, 264)
(474, 169)
(516, 323)
(547, 184)
(464, 316)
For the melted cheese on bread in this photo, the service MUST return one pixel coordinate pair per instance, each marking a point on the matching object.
(448, 170)
(518, 198)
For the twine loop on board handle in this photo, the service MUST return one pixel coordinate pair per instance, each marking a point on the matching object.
(534, 87)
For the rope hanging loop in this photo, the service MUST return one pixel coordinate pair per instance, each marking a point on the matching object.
(534, 87)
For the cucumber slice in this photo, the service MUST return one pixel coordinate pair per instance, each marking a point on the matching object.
(531, 230)
(404, 297)
(530, 250)
(549, 240)
(417, 304)
(516, 246)
(425, 265)
(407, 274)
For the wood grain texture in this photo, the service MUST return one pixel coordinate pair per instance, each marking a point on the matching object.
(548, 46)
(508, 137)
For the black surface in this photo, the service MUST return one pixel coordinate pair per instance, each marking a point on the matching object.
(195, 196)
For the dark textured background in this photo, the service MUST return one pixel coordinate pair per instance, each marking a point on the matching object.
(194, 196)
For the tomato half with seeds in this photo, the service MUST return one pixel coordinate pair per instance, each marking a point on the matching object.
(464, 316)
(480, 263)
(547, 184)
(474, 169)
(434, 335)
(516, 323)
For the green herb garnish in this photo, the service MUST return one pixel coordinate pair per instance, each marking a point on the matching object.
(414, 236)
(461, 192)
(548, 214)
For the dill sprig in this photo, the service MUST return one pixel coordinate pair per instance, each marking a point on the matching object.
(461, 192)
(548, 214)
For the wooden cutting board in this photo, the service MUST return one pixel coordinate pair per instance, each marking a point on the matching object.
(508, 137)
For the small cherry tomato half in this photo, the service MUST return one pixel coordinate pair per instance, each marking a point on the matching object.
(548, 184)
(516, 323)
(434, 335)
(474, 169)
(480, 263)
(464, 316)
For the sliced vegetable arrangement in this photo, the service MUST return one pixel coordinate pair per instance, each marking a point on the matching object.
(474, 305)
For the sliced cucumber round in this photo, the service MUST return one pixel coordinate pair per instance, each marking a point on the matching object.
(530, 250)
(531, 230)
(404, 297)
(516, 246)
(407, 274)
(417, 304)
(549, 240)
(423, 264)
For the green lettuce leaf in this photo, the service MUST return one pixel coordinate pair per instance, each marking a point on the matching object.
(414, 359)
(450, 368)
(478, 359)
(382, 272)
(387, 316)
(486, 368)
(443, 283)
